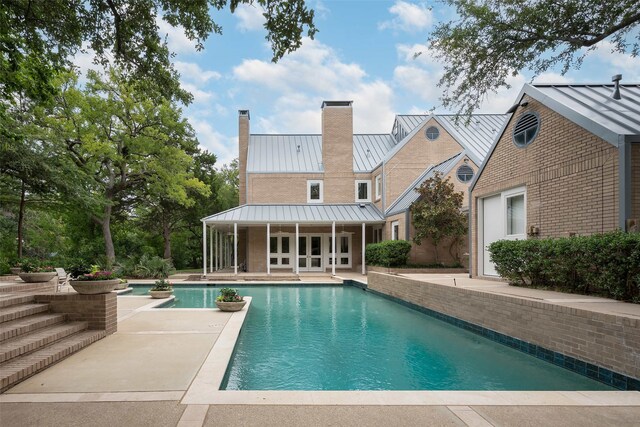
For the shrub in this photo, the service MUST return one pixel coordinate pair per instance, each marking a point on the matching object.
(146, 267)
(390, 253)
(605, 264)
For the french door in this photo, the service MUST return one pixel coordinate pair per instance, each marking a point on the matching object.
(310, 252)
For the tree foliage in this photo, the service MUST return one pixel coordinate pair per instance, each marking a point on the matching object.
(493, 40)
(437, 212)
(38, 38)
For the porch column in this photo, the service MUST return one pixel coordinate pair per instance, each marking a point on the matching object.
(297, 249)
(215, 244)
(333, 248)
(210, 249)
(235, 248)
(204, 248)
(363, 240)
(268, 248)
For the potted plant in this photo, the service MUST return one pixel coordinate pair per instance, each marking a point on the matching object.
(16, 268)
(124, 283)
(230, 300)
(36, 271)
(161, 289)
(98, 282)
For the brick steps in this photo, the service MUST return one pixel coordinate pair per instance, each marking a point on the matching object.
(32, 338)
(16, 328)
(38, 339)
(19, 311)
(19, 369)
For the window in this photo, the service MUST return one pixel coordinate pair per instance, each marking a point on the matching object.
(465, 173)
(377, 234)
(395, 230)
(432, 133)
(362, 191)
(515, 215)
(526, 129)
(314, 192)
(378, 187)
(279, 251)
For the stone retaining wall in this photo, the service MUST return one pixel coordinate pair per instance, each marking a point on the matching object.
(101, 311)
(605, 340)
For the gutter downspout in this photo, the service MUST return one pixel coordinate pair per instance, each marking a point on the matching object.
(624, 182)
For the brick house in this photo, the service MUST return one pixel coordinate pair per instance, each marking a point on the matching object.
(306, 197)
(567, 162)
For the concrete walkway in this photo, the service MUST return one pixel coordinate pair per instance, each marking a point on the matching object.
(143, 374)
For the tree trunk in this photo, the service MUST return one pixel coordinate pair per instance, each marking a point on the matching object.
(108, 241)
(166, 236)
(21, 218)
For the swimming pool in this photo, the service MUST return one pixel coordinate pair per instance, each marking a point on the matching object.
(343, 338)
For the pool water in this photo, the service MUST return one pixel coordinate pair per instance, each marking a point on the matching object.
(343, 338)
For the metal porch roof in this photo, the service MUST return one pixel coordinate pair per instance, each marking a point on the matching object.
(302, 214)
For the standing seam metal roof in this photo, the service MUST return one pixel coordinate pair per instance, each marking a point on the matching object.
(302, 214)
(592, 107)
(409, 196)
(280, 153)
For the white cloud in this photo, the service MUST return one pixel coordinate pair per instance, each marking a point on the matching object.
(303, 79)
(615, 63)
(200, 96)
(225, 148)
(192, 72)
(409, 17)
(177, 40)
(250, 17)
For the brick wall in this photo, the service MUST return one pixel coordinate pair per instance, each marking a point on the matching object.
(101, 311)
(414, 157)
(570, 175)
(612, 342)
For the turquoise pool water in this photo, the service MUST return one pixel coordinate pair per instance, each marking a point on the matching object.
(343, 338)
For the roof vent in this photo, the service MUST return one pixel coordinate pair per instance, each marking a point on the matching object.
(616, 91)
(298, 148)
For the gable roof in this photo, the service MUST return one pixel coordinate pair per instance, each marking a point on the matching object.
(592, 107)
(475, 135)
(409, 195)
(354, 213)
(280, 154)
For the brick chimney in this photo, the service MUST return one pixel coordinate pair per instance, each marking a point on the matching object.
(243, 147)
(337, 149)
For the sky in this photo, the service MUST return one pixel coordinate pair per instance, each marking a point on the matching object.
(363, 52)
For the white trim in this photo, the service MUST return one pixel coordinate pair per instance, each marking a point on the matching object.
(363, 181)
(394, 236)
(279, 254)
(235, 248)
(333, 249)
(363, 247)
(378, 186)
(311, 182)
(268, 246)
(204, 248)
(297, 250)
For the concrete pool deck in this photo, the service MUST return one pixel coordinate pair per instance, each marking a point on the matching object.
(163, 367)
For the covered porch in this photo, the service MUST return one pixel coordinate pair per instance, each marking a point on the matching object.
(289, 240)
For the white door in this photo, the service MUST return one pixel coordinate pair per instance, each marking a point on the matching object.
(492, 230)
(310, 253)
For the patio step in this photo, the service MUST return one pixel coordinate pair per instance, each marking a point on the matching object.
(16, 328)
(19, 311)
(8, 300)
(21, 368)
(39, 339)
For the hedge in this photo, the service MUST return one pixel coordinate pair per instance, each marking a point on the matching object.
(604, 264)
(390, 253)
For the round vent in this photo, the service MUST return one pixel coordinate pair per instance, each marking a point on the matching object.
(465, 173)
(432, 133)
(526, 129)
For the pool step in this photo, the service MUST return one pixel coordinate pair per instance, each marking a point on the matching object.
(21, 368)
(19, 327)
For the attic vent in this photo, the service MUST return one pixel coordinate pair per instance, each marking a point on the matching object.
(526, 129)
(432, 133)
